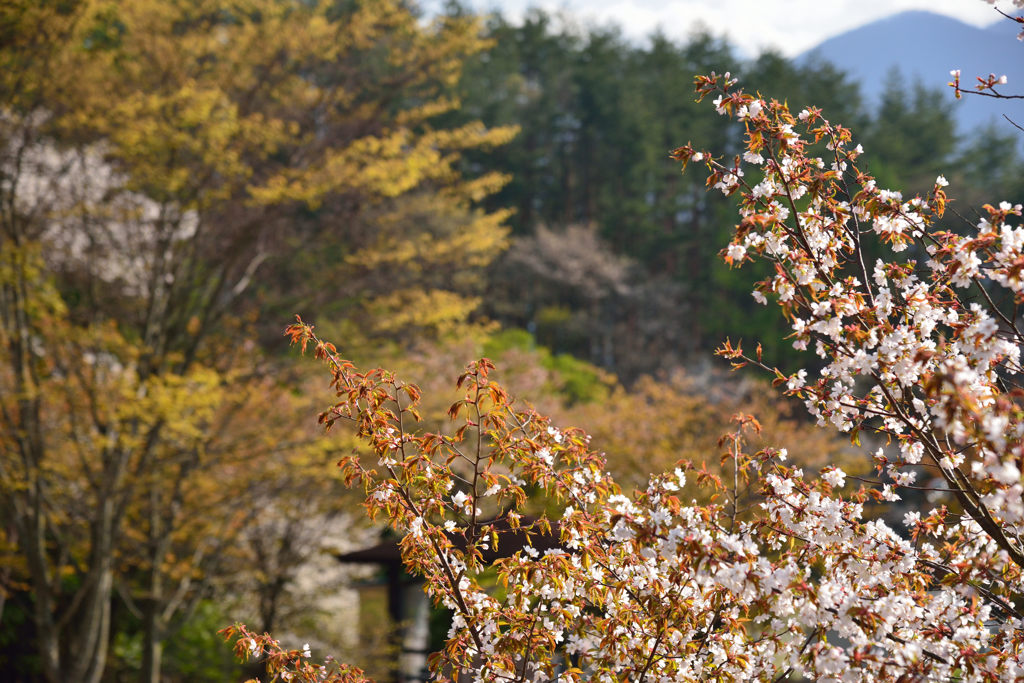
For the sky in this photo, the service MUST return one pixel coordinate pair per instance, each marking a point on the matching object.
(788, 26)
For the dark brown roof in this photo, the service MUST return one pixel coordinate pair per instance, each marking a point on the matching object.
(509, 541)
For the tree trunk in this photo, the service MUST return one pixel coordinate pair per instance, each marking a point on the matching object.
(85, 656)
(152, 628)
(152, 645)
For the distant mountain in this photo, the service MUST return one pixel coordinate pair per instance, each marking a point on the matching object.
(925, 47)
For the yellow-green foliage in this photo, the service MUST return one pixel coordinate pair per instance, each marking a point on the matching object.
(273, 101)
(153, 155)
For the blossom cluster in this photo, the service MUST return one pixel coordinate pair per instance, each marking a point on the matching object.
(295, 666)
(653, 587)
(784, 574)
(916, 348)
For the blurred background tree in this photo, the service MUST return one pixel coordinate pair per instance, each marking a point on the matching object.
(154, 157)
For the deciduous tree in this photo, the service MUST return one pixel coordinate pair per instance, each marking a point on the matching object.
(153, 156)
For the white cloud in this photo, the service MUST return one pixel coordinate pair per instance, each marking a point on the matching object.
(789, 26)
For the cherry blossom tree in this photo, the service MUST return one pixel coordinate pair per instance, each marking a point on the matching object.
(914, 324)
